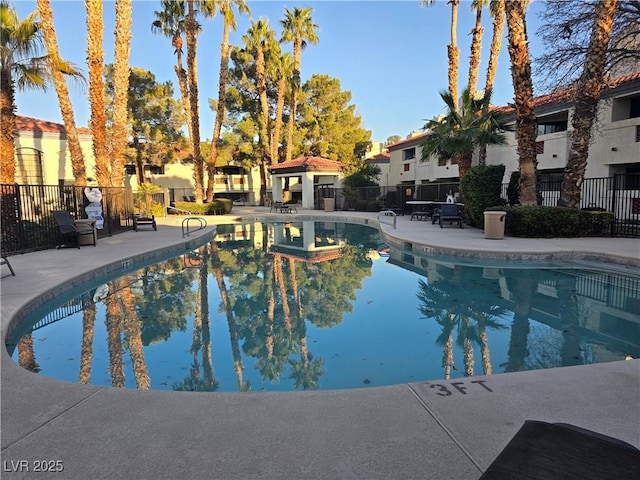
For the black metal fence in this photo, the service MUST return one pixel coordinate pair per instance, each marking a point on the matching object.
(27, 220)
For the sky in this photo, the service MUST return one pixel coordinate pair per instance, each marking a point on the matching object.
(391, 56)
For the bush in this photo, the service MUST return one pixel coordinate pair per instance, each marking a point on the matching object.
(549, 222)
(480, 189)
(219, 206)
(368, 206)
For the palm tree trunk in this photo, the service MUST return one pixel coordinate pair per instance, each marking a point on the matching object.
(191, 26)
(526, 128)
(26, 355)
(295, 85)
(182, 83)
(60, 84)
(217, 126)
(282, 85)
(114, 342)
(476, 44)
(487, 369)
(588, 95)
(277, 262)
(95, 63)
(119, 134)
(132, 327)
(453, 54)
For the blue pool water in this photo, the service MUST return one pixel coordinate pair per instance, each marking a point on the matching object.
(324, 305)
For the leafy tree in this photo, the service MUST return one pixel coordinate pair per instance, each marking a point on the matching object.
(392, 139)
(367, 176)
(331, 128)
(154, 121)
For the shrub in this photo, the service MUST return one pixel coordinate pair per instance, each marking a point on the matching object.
(549, 222)
(219, 206)
(480, 189)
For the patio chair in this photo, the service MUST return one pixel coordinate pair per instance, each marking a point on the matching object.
(449, 213)
(277, 206)
(74, 231)
(5, 261)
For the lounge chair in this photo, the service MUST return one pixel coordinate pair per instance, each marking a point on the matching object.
(5, 261)
(140, 219)
(76, 231)
(449, 212)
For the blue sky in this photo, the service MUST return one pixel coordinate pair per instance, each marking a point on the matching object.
(391, 55)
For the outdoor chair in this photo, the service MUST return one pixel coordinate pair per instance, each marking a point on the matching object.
(277, 206)
(5, 261)
(75, 232)
(140, 219)
(449, 213)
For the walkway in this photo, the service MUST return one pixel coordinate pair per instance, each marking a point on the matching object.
(441, 430)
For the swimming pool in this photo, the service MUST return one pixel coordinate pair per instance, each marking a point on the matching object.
(302, 305)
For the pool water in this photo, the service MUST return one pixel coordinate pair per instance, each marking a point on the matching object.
(324, 305)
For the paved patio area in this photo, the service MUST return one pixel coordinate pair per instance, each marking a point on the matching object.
(441, 430)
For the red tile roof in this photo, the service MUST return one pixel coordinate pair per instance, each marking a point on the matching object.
(408, 140)
(28, 124)
(308, 163)
(380, 157)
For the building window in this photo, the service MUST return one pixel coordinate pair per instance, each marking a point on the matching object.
(155, 169)
(637, 133)
(625, 108)
(407, 167)
(551, 127)
(130, 169)
(409, 153)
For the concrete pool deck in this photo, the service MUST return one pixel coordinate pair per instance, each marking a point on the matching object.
(445, 429)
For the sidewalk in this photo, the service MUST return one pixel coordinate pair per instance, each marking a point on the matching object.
(441, 430)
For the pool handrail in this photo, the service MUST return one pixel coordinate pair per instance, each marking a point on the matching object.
(185, 225)
(386, 214)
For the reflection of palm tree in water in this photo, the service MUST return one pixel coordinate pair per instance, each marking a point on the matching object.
(26, 355)
(277, 270)
(88, 327)
(238, 367)
(449, 304)
(132, 329)
(114, 341)
(522, 286)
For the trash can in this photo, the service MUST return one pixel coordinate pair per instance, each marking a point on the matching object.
(494, 225)
(329, 204)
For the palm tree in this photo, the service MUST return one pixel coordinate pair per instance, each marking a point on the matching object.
(283, 69)
(526, 128)
(458, 133)
(497, 13)
(192, 28)
(60, 84)
(476, 43)
(95, 63)
(22, 66)
(224, 7)
(119, 134)
(299, 29)
(170, 22)
(588, 94)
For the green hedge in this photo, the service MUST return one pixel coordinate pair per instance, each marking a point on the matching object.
(219, 206)
(550, 222)
(480, 189)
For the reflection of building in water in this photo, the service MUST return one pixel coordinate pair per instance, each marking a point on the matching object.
(602, 307)
(308, 241)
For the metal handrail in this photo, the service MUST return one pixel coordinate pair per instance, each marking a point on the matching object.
(185, 223)
(386, 214)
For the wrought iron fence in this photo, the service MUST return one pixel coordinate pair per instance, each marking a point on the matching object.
(27, 220)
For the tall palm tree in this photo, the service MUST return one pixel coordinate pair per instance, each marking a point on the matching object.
(456, 135)
(497, 13)
(119, 134)
(192, 28)
(526, 128)
(95, 63)
(283, 70)
(476, 43)
(587, 97)
(299, 29)
(22, 66)
(170, 22)
(225, 8)
(60, 84)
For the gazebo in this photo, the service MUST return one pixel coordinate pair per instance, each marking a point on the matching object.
(314, 172)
